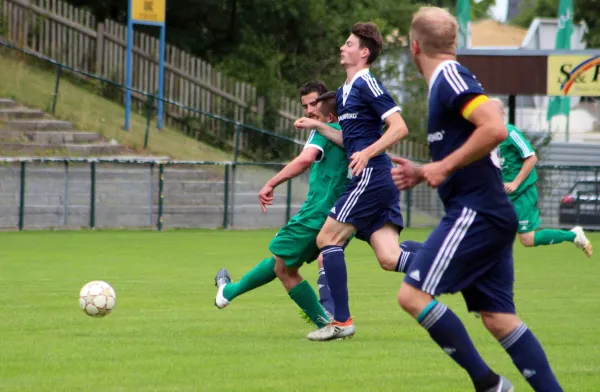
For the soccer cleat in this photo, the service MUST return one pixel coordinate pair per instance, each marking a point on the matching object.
(333, 331)
(581, 240)
(307, 319)
(504, 385)
(221, 280)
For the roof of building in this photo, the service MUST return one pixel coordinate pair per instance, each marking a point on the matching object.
(490, 33)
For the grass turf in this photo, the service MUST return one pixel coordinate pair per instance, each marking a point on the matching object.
(166, 335)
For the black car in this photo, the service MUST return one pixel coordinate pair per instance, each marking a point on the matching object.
(581, 206)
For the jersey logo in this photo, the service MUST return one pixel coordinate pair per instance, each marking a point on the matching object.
(333, 210)
(436, 136)
(348, 116)
(416, 275)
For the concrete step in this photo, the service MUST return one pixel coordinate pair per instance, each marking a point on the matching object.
(7, 103)
(83, 149)
(20, 114)
(38, 125)
(49, 137)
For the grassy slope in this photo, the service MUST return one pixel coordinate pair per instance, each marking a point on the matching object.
(34, 87)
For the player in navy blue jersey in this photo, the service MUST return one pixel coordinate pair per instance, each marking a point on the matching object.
(370, 204)
(470, 251)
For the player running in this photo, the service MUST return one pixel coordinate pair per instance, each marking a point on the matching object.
(519, 176)
(370, 205)
(295, 244)
(470, 251)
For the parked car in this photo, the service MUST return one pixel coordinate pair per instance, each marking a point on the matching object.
(581, 206)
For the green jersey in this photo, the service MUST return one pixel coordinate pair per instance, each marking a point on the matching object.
(513, 152)
(329, 177)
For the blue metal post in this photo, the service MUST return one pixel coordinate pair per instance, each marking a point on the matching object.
(161, 75)
(129, 66)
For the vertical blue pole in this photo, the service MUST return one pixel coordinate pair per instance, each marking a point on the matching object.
(161, 74)
(128, 70)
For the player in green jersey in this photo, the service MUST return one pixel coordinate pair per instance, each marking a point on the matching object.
(518, 160)
(295, 244)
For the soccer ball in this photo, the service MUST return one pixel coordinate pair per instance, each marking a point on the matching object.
(97, 298)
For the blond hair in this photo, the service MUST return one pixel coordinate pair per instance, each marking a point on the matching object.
(435, 30)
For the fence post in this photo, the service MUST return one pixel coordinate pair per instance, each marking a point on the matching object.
(236, 151)
(161, 183)
(99, 48)
(66, 198)
(93, 195)
(22, 197)
(288, 206)
(151, 195)
(148, 116)
(226, 198)
(58, 73)
(408, 206)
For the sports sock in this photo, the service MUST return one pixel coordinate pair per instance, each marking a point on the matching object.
(450, 334)
(324, 293)
(409, 249)
(529, 357)
(305, 297)
(337, 278)
(550, 237)
(258, 276)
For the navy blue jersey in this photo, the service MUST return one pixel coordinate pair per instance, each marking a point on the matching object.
(478, 185)
(362, 106)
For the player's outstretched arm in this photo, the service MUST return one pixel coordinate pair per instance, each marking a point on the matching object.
(291, 170)
(528, 165)
(490, 131)
(332, 134)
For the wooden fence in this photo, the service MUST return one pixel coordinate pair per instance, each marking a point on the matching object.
(75, 38)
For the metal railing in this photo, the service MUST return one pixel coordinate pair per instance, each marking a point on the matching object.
(138, 193)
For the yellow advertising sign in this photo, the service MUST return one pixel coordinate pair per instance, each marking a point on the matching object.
(573, 75)
(148, 10)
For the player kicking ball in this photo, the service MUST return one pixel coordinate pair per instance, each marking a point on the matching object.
(295, 244)
(519, 176)
(471, 250)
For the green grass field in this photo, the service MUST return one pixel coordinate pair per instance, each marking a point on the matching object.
(166, 335)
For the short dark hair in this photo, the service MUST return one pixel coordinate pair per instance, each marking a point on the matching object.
(328, 103)
(370, 38)
(315, 86)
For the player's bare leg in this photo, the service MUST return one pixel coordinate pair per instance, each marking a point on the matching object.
(391, 257)
(331, 239)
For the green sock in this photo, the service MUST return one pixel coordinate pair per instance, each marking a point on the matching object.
(258, 276)
(550, 237)
(306, 298)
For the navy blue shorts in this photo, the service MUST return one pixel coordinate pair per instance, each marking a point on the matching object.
(467, 253)
(370, 201)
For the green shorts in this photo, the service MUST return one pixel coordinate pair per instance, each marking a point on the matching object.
(527, 210)
(296, 244)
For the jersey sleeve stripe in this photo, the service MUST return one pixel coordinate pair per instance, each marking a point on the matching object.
(318, 148)
(375, 83)
(473, 104)
(372, 86)
(457, 76)
(527, 152)
(310, 137)
(389, 112)
(449, 78)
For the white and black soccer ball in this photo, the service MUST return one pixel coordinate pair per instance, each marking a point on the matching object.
(97, 298)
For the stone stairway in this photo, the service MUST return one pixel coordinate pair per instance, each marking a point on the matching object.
(25, 131)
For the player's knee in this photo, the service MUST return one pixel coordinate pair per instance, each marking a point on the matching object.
(388, 262)
(413, 300)
(323, 239)
(500, 324)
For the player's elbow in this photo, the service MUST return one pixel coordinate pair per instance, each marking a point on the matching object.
(499, 133)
